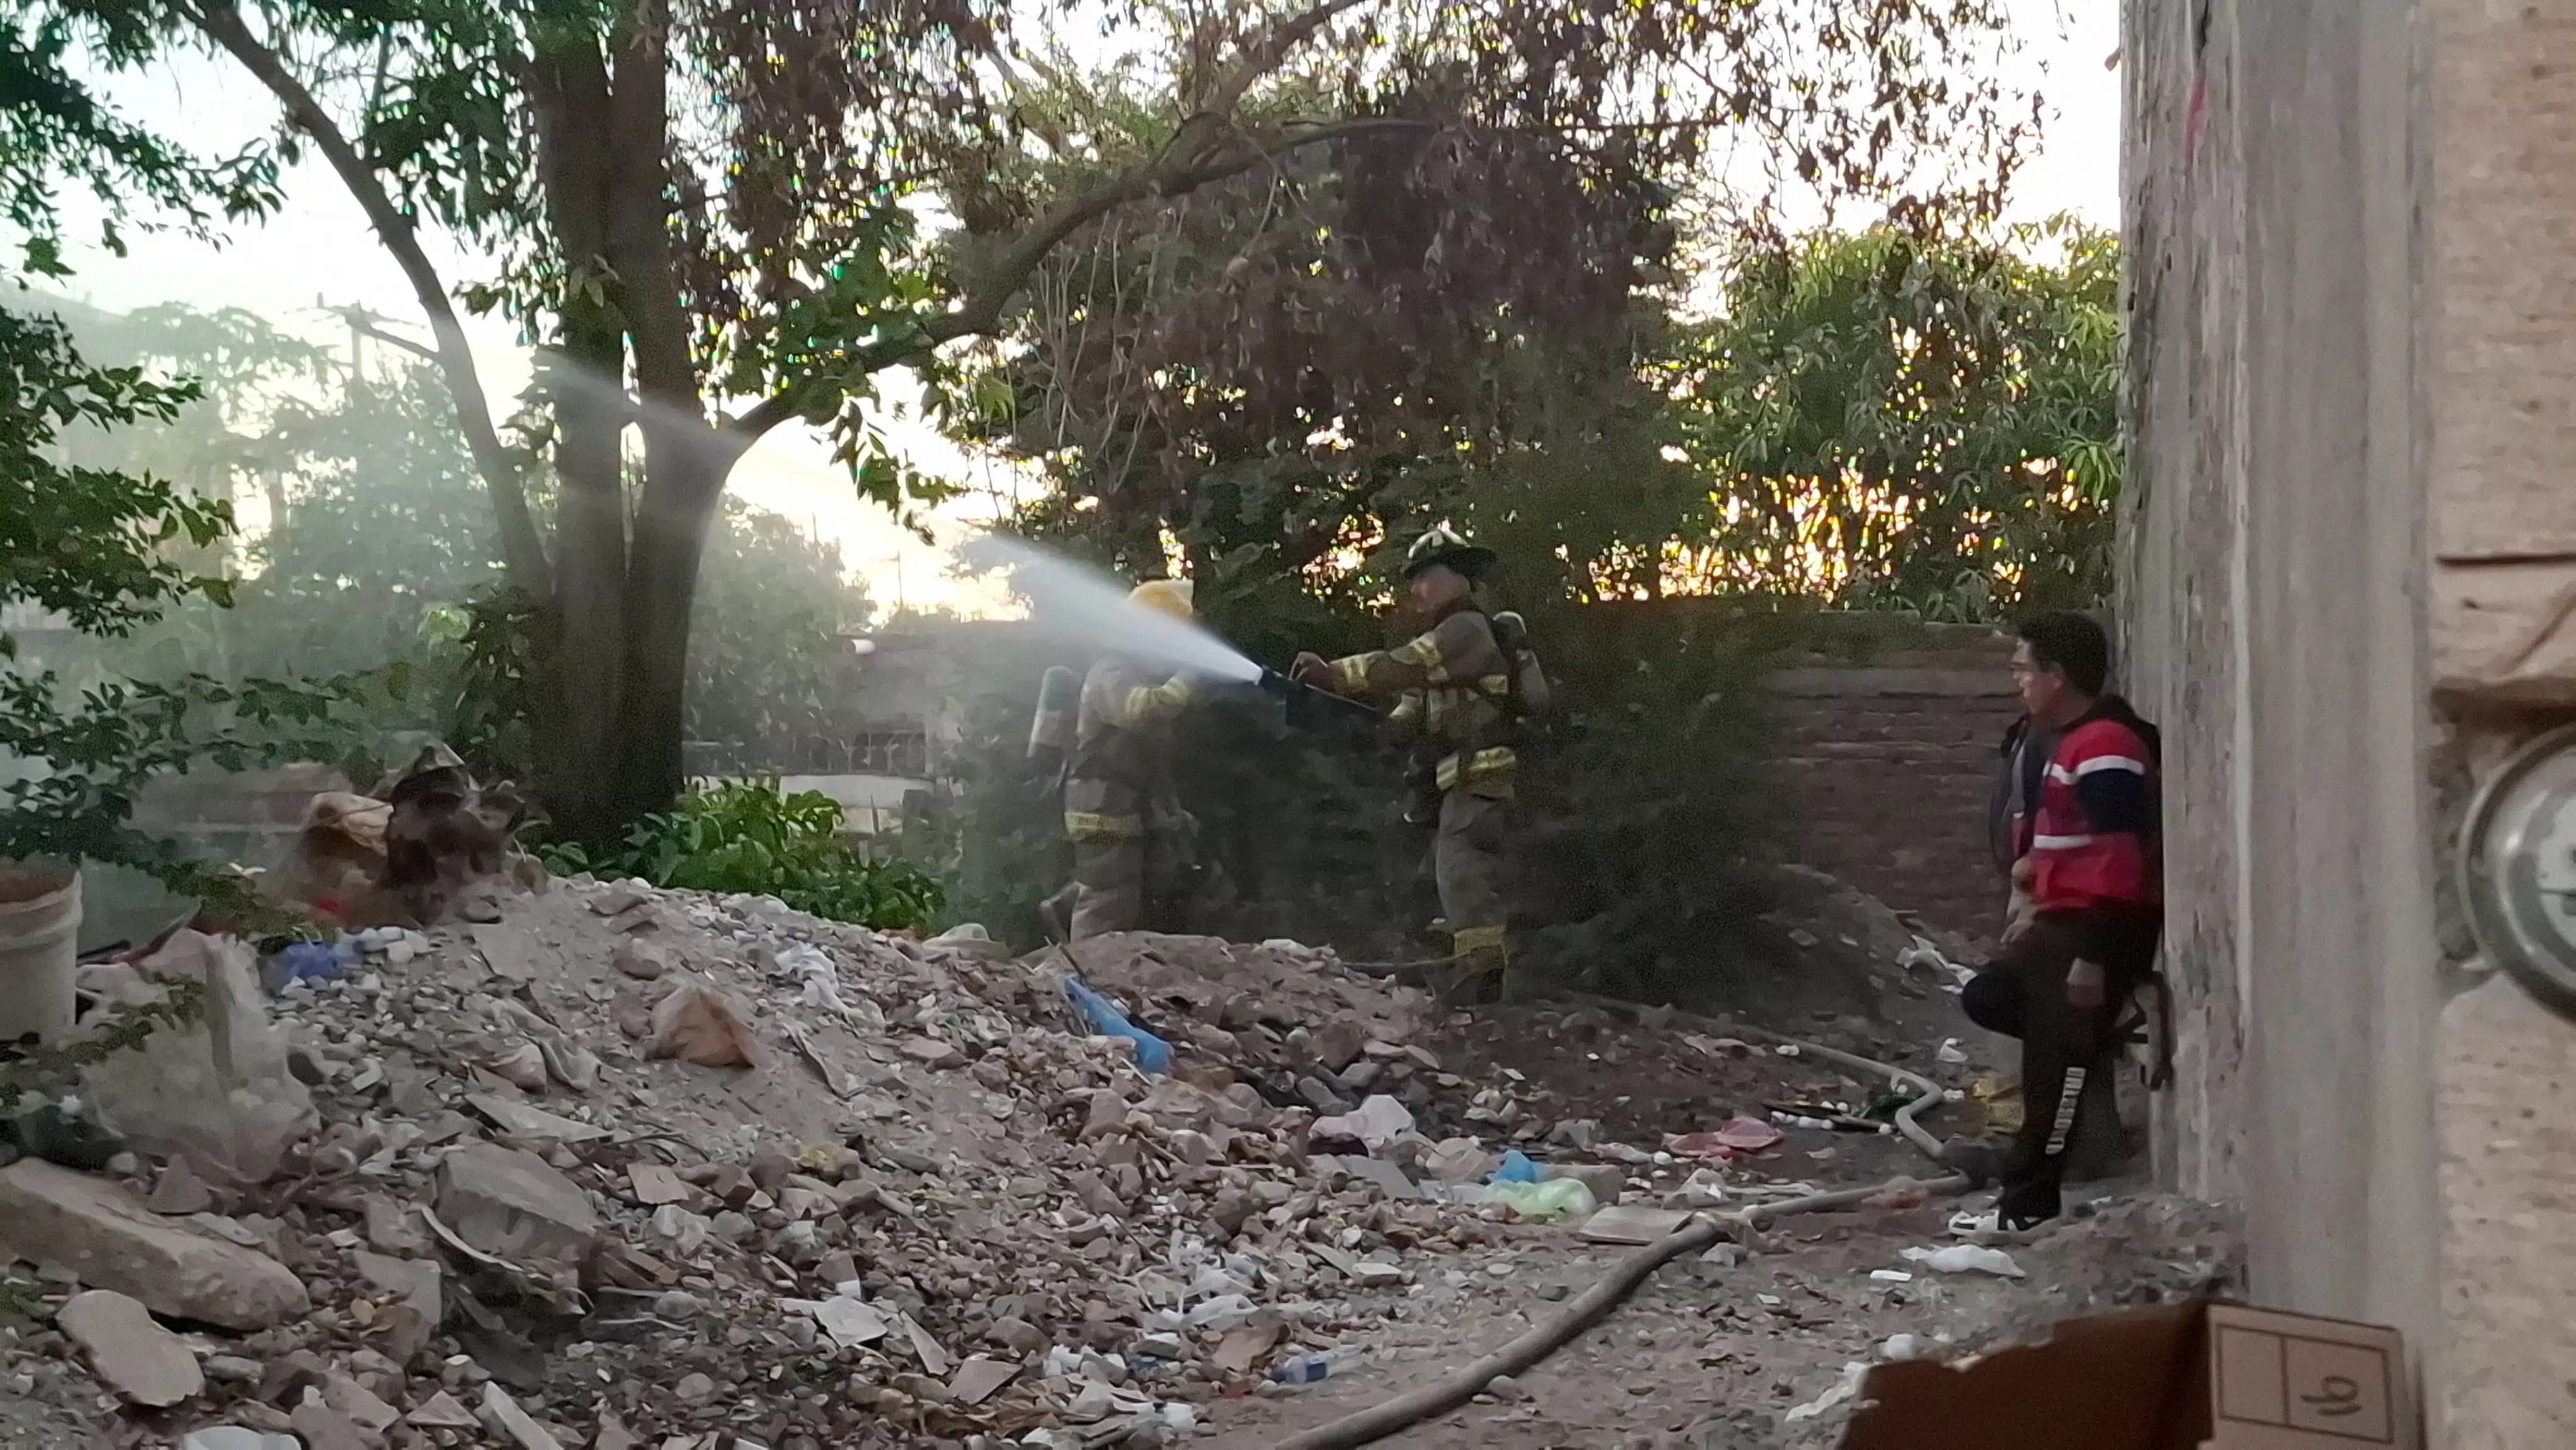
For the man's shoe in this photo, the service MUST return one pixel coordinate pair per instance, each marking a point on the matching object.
(2027, 1204)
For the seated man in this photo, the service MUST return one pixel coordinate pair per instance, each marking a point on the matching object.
(2096, 909)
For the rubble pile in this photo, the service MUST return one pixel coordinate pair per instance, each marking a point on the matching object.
(632, 1167)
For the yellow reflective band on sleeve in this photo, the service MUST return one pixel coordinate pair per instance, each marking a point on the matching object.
(1486, 764)
(1478, 941)
(1350, 674)
(1093, 826)
(1423, 652)
(1495, 687)
(1407, 708)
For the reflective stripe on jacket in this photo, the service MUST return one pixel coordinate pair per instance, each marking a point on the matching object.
(1121, 753)
(2093, 839)
(1452, 684)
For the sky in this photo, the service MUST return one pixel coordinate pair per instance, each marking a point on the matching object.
(316, 253)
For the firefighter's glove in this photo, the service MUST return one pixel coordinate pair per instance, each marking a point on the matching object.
(2084, 985)
(1312, 670)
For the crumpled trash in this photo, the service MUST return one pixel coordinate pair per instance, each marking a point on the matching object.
(214, 1092)
(1737, 1137)
(970, 939)
(1517, 1167)
(1554, 1198)
(2001, 1103)
(1705, 1186)
(696, 1023)
(1153, 1054)
(1843, 1389)
(807, 963)
(1950, 1052)
(1222, 1312)
(1965, 1259)
(445, 832)
(66, 1133)
(1380, 1120)
(338, 859)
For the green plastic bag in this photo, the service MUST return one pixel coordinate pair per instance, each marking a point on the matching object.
(1554, 1198)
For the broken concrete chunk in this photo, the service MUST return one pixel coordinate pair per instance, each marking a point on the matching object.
(977, 1380)
(235, 1437)
(415, 1281)
(523, 1066)
(180, 1192)
(651, 1185)
(1633, 1225)
(442, 1411)
(514, 1422)
(512, 1205)
(535, 1125)
(642, 960)
(358, 1404)
(98, 1231)
(696, 1023)
(324, 1428)
(931, 1052)
(139, 1359)
(510, 952)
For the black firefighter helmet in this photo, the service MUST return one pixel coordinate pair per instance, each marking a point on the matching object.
(1441, 544)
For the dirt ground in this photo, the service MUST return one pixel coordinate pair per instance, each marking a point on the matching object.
(1712, 1352)
(1711, 1355)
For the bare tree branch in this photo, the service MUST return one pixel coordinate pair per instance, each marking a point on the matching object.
(1265, 54)
(363, 323)
(522, 552)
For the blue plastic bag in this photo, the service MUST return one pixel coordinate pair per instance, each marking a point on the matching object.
(1517, 1168)
(1153, 1054)
(307, 961)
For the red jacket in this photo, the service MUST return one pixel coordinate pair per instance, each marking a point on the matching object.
(2093, 840)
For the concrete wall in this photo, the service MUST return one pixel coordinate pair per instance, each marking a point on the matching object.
(2501, 366)
(2349, 576)
(1884, 770)
(2272, 606)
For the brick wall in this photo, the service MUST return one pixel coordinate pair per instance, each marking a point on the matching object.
(1885, 765)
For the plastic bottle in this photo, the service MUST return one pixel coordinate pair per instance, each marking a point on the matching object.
(1305, 1369)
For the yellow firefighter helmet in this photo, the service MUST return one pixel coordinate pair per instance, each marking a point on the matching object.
(1164, 596)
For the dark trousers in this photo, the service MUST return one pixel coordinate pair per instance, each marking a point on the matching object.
(2064, 1050)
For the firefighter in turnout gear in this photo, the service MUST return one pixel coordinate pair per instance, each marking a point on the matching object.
(1461, 691)
(1132, 842)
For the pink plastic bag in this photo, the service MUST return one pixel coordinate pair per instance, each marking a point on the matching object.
(1737, 1137)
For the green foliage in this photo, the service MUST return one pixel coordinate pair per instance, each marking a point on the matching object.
(88, 543)
(765, 654)
(94, 545)
(1889, 422)
(1643, 815)
(55, 128)
(748, 837)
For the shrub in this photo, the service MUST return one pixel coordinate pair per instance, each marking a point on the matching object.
(749, 837)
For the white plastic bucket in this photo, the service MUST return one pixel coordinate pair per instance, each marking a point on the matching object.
(40, 916)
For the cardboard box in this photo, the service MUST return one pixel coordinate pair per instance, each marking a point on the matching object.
(2185, 1377)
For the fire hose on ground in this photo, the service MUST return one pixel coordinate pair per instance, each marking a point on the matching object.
(1606, 1294)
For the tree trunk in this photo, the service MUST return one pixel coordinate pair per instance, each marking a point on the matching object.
(687, 467)
(580, 769)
